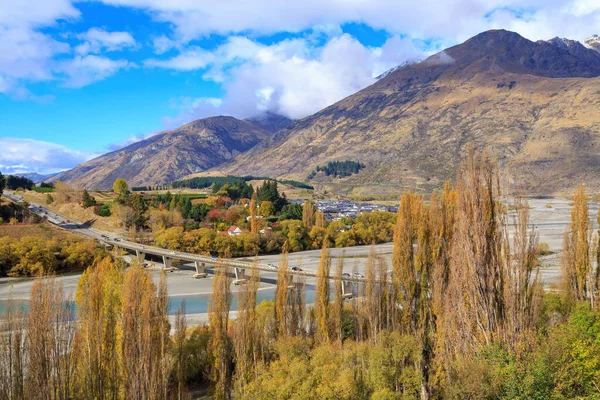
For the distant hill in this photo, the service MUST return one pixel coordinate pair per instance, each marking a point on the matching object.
(536, 105)
(169, 155)
(35, 177)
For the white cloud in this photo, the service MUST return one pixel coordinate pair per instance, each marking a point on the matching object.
(84, 70)
(96, 40)
(188, 108)
(27, 155)
(162, 44)
(292, 77)
(31, 13)
(25, 53)
(190, 59)
(452, 20)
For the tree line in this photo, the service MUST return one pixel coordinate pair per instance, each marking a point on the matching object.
(13, 182)
(216, 182)
(338, 169)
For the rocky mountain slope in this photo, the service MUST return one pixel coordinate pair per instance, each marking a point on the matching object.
(169, 155)
(536, 105)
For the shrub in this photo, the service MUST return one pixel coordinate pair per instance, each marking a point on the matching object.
(103, 210)
(543, 249)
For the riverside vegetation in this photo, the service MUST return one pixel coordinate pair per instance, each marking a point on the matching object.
(462, 316)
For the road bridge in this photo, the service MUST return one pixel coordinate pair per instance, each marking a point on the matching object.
(200, 262)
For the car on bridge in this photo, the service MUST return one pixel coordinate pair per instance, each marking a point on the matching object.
(298, 269)
(272, 266)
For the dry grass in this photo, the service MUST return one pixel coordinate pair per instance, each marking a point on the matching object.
(76, 212)
(44, 230)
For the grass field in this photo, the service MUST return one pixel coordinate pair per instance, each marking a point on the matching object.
(76, 212)
(44, 230)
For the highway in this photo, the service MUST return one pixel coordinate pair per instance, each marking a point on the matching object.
(199, 260)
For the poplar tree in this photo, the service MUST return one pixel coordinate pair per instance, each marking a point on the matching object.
(98, 349)
(145, 327)
(308, 214)
(320, 219)
(13, 351)
(370, 295)
(322, 296)
(476, 299)
(245, 332)
(338, 302)
(298, 306)
(402, 262)
(180, 352)
(577, 275)
(282, 294)
(522, 288)
(253, 219)
(218, 318)
(50, 334)
(383, 295)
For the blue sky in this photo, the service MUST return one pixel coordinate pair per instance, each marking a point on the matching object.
(80, 78)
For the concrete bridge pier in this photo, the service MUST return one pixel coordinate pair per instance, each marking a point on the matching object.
(200, 270)
(240, 273)
(167, 263)
(291, 285)
(141, 257)
(346, 294)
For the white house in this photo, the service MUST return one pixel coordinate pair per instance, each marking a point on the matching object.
(233, 231)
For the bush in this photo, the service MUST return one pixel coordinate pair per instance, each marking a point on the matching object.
(49, 198)
(103, 210)
(543, 249)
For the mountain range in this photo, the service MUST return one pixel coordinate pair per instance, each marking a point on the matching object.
(170, 155)
(35, 177)
(536, 105)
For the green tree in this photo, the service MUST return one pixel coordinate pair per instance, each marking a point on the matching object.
(291, 211)
(121, 188)
(269, 192)
(87, 200)
(2, 183)
(267, 209)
